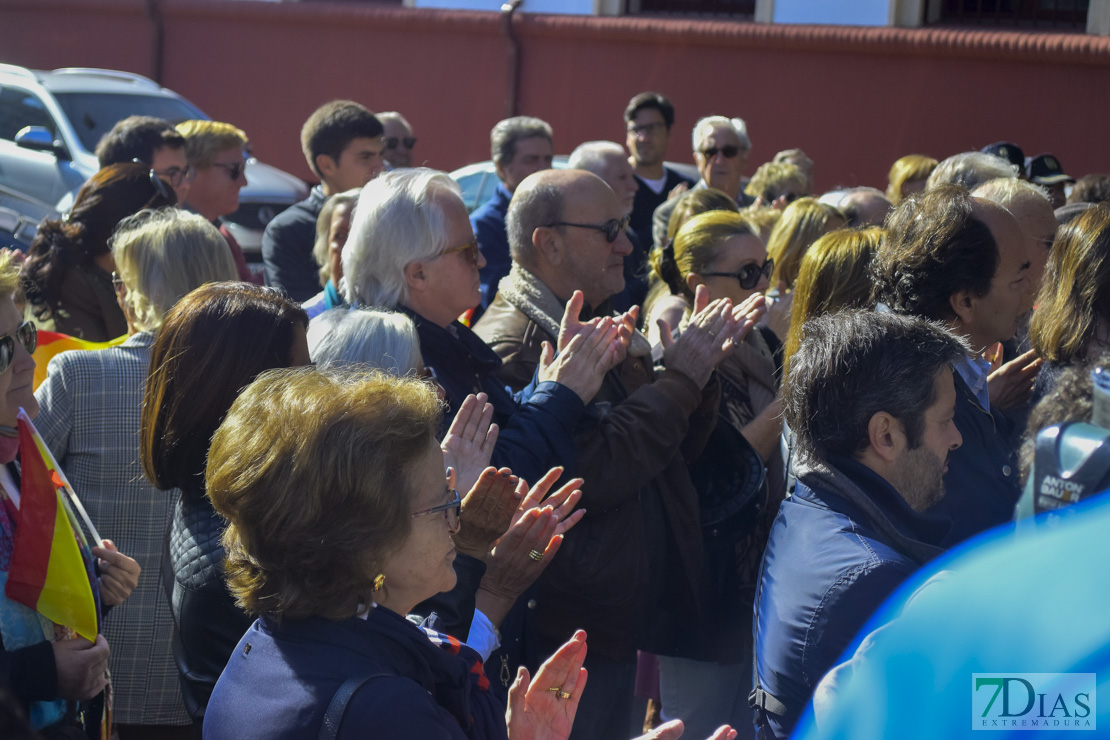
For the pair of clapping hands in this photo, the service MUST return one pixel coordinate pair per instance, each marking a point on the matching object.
(588, 350)
(502, 520)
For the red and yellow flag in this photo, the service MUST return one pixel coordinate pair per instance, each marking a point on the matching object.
(51, 343)
(47, 571)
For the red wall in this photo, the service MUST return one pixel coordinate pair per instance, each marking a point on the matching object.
(855, 99)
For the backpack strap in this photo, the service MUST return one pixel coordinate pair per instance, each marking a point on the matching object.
(329, 728)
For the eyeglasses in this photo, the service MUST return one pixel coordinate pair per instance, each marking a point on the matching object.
(748, 275)
(234, 169)
(469, 250)
(391, 142)
(646, 129)
(612, 228)
(26, 334)
(176, 176)
(451, 511)
(727, 151)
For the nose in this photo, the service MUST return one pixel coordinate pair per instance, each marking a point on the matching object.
(763, 285)
(623, 245)
(481, 259)
(957, 438)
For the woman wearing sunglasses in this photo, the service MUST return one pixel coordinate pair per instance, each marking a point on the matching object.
(90, 404)
(67, 276)
(46, 674)
(722, 251)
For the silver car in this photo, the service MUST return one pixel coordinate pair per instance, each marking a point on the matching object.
(51, 122)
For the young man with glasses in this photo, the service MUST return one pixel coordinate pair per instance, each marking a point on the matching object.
(153, 142)
(648, 120)
(217, 154)
(342, 143)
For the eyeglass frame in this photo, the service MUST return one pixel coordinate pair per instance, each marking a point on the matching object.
(9, 340)
(233, 169)
(471, 251)
(712, 151)
(612, 229)
(765, 270)
(391, 142)
(647, 129)
(456, 504)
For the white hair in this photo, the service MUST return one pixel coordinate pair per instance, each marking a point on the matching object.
(364, 336)
(1005, 190)
(707, 124)
(392, 115)
(397, 221)
(594, 156)
(970, 169)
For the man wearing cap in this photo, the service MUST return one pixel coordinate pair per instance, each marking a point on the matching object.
(1046, 170)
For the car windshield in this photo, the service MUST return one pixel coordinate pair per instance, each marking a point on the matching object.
(92, 114)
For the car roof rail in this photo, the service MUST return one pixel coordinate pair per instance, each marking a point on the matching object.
(15, 69)
(113, 74)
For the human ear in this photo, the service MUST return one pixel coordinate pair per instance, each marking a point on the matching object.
(693, 280)
(546, 242)
(886, 436)
(326, 165)
(414, 276)
(962, 303)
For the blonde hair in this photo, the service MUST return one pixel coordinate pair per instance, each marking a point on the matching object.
(699, 200)
(772, 178)
(909, 168)
(695, 247)
(163, 255)
(1005, 191)
(204, 140)
(9, 276)
(801, 224)
(833, 276)
(314, 471)
(323, 229)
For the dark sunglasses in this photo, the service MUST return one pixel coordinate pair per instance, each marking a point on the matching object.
(611, 228)
(728, 151)
(26, 334)
(469, 250)
(451, 511)
(234, 169)
(748, 275)
(391, 142)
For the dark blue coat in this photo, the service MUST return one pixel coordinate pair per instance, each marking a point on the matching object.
(489, 228)
(282, 676)
(982, 485)
(838, 548)
(536, 431)
(287, 248)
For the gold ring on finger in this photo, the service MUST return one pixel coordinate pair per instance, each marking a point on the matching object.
(564, 695)
(535, 555)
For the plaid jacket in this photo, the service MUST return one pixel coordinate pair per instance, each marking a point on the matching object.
(89, 417)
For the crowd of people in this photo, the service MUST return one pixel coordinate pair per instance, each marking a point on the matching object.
(617, 439)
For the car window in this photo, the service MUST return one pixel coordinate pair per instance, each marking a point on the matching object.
(19, 109)
(93, 114)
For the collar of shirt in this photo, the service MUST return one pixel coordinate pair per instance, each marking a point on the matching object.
(974, 371)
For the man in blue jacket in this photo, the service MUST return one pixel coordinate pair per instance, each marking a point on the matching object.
(519, 146)
(871, 400)
(964, 261)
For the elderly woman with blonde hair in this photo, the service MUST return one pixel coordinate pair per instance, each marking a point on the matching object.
(90, 405)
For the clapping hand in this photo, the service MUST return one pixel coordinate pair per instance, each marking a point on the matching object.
(543, 708)
(487, 510)
(470, 440)
(710, 335)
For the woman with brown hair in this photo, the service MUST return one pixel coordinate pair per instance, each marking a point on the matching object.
(1071, 322)
(334, 534)
(67, 276)
(211, 345)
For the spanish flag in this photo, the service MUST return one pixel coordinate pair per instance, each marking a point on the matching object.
(52, 343)
(48, 572)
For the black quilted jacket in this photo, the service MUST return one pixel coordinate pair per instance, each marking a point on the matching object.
(208, 624)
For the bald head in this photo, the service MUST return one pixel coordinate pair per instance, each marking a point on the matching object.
(559, 225)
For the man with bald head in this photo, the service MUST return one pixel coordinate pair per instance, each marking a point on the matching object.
(627, 573)
(963, 261)
(608, 160)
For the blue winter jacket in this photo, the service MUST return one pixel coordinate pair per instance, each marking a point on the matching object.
(839, 546)
(489, 228)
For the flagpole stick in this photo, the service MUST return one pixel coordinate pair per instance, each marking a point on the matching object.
(70, 493)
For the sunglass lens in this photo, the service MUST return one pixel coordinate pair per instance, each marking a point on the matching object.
(410, 142)
(28, 336)
(7, 350)
(390, 142)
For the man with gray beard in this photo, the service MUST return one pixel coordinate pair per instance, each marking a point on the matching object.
(871, 399)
